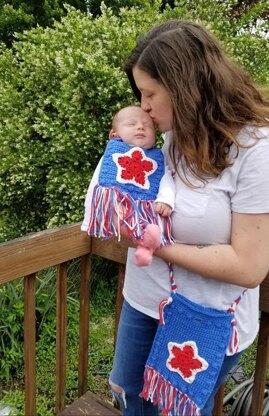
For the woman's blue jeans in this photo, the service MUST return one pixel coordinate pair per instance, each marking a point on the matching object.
(136, 332)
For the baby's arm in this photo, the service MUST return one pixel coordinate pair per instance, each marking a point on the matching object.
(165, 201)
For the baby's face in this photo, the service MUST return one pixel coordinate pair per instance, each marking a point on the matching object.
(135, 127)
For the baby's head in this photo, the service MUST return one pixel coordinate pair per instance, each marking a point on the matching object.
(134, 126)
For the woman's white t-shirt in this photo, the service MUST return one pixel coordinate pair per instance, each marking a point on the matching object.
(202, 216)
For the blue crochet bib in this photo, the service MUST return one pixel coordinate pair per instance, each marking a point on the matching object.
(131, 169)
(187, 354)
(128, 184)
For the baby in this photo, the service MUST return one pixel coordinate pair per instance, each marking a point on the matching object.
(131, 190)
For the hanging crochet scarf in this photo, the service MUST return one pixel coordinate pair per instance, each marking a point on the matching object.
(128, 184)
(187, 354)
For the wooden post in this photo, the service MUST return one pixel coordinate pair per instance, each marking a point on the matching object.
(29, 345)
(261, 366)
(61, 321)
(119, 300)
(84, 324)
(218, 404)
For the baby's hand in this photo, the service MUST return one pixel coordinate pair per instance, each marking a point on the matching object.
(162, 209)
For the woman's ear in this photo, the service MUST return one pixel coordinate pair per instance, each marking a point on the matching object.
(112, 134)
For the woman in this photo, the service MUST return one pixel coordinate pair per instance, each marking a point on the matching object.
(217, 143)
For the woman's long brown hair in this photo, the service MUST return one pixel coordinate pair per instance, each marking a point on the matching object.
(212, 97)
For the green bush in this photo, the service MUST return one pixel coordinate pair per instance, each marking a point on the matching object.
(11, 329)
(63, 87)
(12, 316)
(59, 88)
(101, 337)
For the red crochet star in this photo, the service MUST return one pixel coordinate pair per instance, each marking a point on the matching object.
(184, 359)
(134, 167)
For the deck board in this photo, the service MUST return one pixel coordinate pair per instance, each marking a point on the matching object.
(91, 405)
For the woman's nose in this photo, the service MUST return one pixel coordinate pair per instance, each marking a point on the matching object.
(145, 105)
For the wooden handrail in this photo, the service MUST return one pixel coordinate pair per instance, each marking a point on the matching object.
(38, 251)
(26, 256)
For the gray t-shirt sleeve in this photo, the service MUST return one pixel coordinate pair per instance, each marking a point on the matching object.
(252, 186)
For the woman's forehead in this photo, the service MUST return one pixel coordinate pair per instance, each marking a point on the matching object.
(143, 80)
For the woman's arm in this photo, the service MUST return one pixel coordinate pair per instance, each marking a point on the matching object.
(245, 262)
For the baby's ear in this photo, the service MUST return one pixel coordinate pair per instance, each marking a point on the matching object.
(112, 134)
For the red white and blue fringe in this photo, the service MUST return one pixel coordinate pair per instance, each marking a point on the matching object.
(169, 399)
(162, 305)
(234, 340)
(133, 215)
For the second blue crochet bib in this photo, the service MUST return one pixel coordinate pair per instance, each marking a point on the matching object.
(186, 356)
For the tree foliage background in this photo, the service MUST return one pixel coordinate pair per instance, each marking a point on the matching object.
(62, 80)
(17, 15)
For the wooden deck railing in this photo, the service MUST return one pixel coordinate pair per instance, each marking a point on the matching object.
(26, 256)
